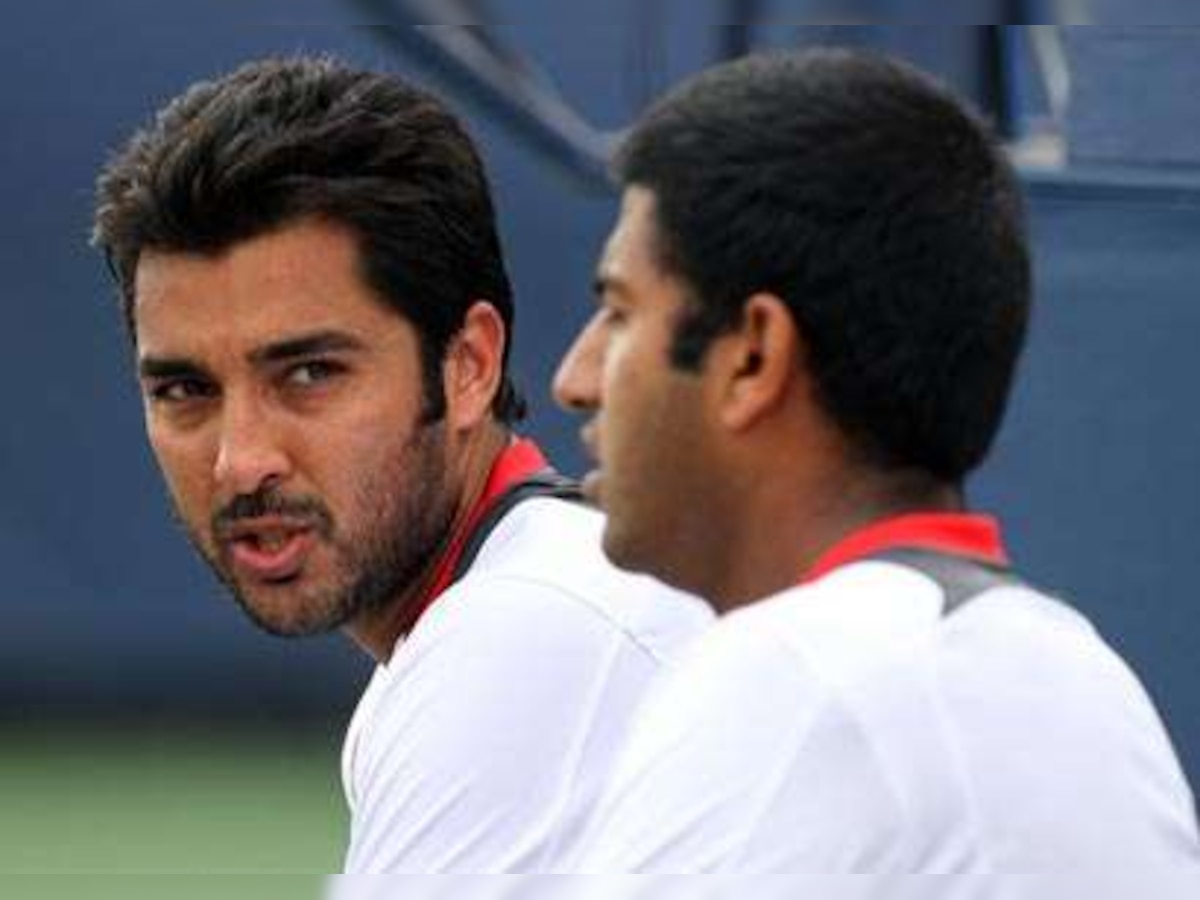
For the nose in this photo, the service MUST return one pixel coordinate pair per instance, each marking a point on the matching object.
(251, 452)
(576, 384)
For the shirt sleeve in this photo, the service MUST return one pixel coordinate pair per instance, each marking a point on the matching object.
(493, 727)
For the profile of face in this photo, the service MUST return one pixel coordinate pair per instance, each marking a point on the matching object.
(646, 428)
(284, 403)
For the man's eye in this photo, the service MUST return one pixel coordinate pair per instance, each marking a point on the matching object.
(312, 372)
(180, 390)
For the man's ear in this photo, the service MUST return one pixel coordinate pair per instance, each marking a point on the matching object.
(758, 362)
(472, 369)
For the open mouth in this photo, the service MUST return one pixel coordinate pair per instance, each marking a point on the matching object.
(589, 436)
(272, 552)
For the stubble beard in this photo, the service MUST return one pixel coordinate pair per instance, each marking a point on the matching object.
(406, 512)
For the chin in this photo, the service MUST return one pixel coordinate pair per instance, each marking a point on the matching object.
(631, 553)
(620, 550)
(290, 620)
(645, 557)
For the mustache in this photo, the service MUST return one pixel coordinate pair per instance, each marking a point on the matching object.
(270, 502)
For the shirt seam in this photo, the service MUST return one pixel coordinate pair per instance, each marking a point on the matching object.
(831, 700)
(578, 600)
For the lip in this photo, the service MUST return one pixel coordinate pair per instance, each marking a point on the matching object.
(592, 485)
(589, 438)
(269, 550)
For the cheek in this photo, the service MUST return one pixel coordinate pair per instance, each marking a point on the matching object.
(632, 434)
(352, 468)
(662, 432)
(348, 473)
(625, 374)
(636, 378)
(186, 468)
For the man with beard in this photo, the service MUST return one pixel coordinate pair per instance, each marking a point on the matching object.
(310, 272)
(812, 305)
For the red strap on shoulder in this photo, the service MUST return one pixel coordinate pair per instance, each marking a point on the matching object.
(957, 534)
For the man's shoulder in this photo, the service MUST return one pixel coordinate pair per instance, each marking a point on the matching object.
(541, 531)
(832, 631)
(877, 608)
(877, 625)
(543, 567)
(875, 641)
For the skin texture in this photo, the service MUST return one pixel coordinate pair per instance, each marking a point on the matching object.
(728, 482)
(284, 404)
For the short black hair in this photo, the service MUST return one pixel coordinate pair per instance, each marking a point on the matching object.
(882, 212)
(279, 140)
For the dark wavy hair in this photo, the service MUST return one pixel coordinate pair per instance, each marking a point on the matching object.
(283, 139)
(879, 209)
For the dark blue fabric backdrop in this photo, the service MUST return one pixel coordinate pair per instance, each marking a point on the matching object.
(107, 612)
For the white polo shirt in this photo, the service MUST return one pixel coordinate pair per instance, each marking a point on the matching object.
(482, 743)
(850, 725)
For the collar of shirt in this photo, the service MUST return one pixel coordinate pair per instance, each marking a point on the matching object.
(967, 535)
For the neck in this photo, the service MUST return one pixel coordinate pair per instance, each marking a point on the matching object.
(780, 534)
(467, 468)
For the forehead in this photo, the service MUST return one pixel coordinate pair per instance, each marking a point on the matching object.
(632, 246)
(305, 276)
(632, 264)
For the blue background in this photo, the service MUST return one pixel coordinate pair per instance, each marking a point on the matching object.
(107, 613)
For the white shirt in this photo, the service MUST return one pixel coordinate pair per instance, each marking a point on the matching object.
(848, 726)
(486, 737)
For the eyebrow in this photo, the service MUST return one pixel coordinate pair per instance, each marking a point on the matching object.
(280, 351)
(165, 367)
(305, 345)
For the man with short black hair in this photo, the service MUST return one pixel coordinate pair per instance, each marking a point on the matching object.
(810, 311)
(310, 271)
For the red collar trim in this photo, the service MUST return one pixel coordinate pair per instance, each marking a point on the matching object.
(516, 462)
(958, 534)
